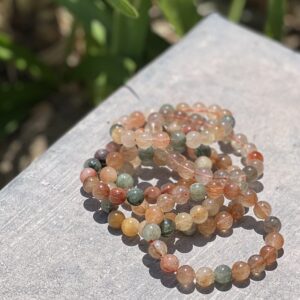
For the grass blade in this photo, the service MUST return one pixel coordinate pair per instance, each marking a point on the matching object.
(236, 10)
(124, 7)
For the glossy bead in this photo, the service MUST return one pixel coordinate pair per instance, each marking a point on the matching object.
(203, 150)
(157, 249)
(154, 215)
(258, 165)
(178, 138)
(224, 161)
(203, 176)
(112, 147)
(224, 221)
(197, 191)
(117, 196)
(212, 206)
(240, 271)
(257, 264)
(262, 209)
(222, 274)
(248, 198)
(193, 139)
(255, 155)
(183, 221)
(199, 214)
(130, 227)
(186, 170)
(116, 132)
(165, 202)
(101, 190)
(87, 172)
(251, 173)
(108, 174)
(269, 254)
(231, 190)
(166, 108)
(167, 188)
(146, 155)
(136, 120)
(181, 194)
(89, 184)
(141, 227)
(140, 210)
(124, 181)
(92, 163)
(237, 176)
(238, 141)
(274, 239)
(129, 154)
(247, 148)
(237, 210)
(214, 189)
(185, 275)
(161, 140)
(205, 277)
(128, 138)
(222, 176)
(203, 162)
(144, 140)
(191, 231)
(107, 206)
(167, 227)
(115, 219)
(272, 224)
(151, 194)
(114, 160)
(135, 196)
(169, 263)
(151, 232)
(208, 227)
(101, 154)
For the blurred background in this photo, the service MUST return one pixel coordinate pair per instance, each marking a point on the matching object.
(60, 58)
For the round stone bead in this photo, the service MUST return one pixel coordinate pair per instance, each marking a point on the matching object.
(112, 147)
(231, 190)
(199, 214)
(269, 254)
(186, 170)
(272, 224)
(203, 162)
(146, 155)
(212, 206)
(161, 140)
(222, 274)
(154, 215)
(143, 140)
(258, 165)
(193, 139)
(166, 108)
(197, 191)
(89, 184)
(169, 263)
(115, 132)
(178, 139)
(170, 216)
(114, 160)
(167, 227)
(203, 175)
(151, 232)
(240, 271)
(130, 227)
(255, 155)
(262, 209)
(191, 230)
(151, 194)
(248, 198)
(181, 194)
(274, 239)
(125, 181)
(101, 154)
(136, 120)
(251, 173)
(183, 221)
(141, 227)
(205, 277)
(214, 189)
(101, 191)
(222, 176)
(229, 120)
(224, 161)
(129, 154)
(247, 148)
(157, 249)
(185, 275)
(87, 172)
(140, 210)
(128, 138)
(165, 202)
(135, 196)
(237, 210)
(115, 219)
(107, 206)
(92, 163)
(117, 196)
(224, 221)
(208, 227)
(238, 141)
(257, 264)
(108, 174)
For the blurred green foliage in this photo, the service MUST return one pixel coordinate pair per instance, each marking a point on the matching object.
(119, 41)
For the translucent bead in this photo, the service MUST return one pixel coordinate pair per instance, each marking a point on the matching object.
(141, 227)
(198, 106)
(130, 227)
(237, 176)
(262, 209)
(197, 191)
(136, 120)
(247, 148)
(274, 239)
(101, 154)
(87, 172)
(125, 181)
(160, 157)
(254, 155)
(135, 196)
(112, 147)
(181, 194)
(203, 162)
(161, 140)
(89, 184)
(222, 176)
(222, 274)
(107, 206)
(269, 254)
(167, 188)
(185, 275)
(207, 137)
(214, 189)
(167, 227)
(257, 265)
(157, 249)
(193, 139)
(248, 198)
(203, 176)
(232, 190)
(178, 139)
(183, 221)
(169, 263)
(212, 206)
(191, 231)
(173, 127)
(128, 138)
(166, 108)
(258, 165)
(151, 232)
(117, 196)
(240, 271)
(140, 210)
(208, 227)
(108, 174)
(115, 219)
(203, 150)
(219, 132)
(272, 224)
(251, 173)
(165, 202)
(151, 194)
(116, 132)
(136, 162)
(224, 221)
(154, 215)
(175, 160)
(114, 160)
(205, 277)
(144, 140)
(186, 170)
(227, 125)
(101, 191)
(237, 210)
(199, 214)
(183, 107)
(238, 141)
(224, 161)
(92, 163)
(129, 154)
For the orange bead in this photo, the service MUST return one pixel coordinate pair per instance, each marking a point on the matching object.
(154, 215)
(262, 209)
(161, 140)
(140, 210)
(169, 263)
(231, 190)
(108, 174)
(87, 172)
(115, 219)
(269, 254)
(128, 154)
(114, 160)
(248, 198)
(255, 155)
(237, 210)
(117, 196)
(89, 184)
(151, 194)
(224, 161)
(185, 275)
(257, 264)
(214, 189)
(101, 190)
(224, 221)
(167, 188)
(274, 239)
(208, 227)
(130, 227)
(240, 271)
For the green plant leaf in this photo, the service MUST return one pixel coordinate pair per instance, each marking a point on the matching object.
(236, 10)
(274, 24)
(182, 14)
(124, 7)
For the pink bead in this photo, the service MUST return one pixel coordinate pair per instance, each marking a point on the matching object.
(87, 172)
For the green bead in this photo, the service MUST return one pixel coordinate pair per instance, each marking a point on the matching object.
(222, 274)
(146, 155)
(107, 206)
(180, 149)
(113, 127)
(197, 191)
(93, 163)
(166, 108)
(251, 173)
(229, 119)
(203, 150)
(125, 181)
(167, 227)
(178, 139)
(135, 196)
(151, 232)
(272, 224)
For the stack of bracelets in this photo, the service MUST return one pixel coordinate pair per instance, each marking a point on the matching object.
(180, 138)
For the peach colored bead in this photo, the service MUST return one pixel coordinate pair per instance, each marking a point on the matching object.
(183, 107)
(248, 198)
(112, 147)
(165, 202)
(161, 140)
(167, 188)
(101, 191)
(212, 206)
(224, 161)
(247, 148)
(257, 264)
(224, 221)
(208, 227)
(269, 254)
(108, 174)
(87, 172)
(237, 210)
(169, 263)
(203, 175)
(151, 194)
(143, 140)
(154, 215)
(274, 239)
(183, 221)
(89, 184)
(128, 154)
(136, 162)
(157, 249)
(115, 219)
(186, 170)
(240, 271)
(136, 120)
(114, 160)
(262, 209)
(117, 196)
(185, 275)
(205, 277)
(160, 157)
(128, 138)
(193, 139)
(140, 210)
(199, 214)
(170, 216)
(181, 194)
(185, 182)
(130, 227)
(232, 190)
(214, 189)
